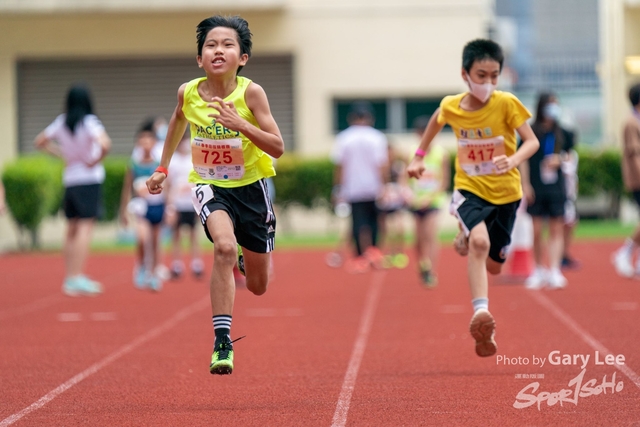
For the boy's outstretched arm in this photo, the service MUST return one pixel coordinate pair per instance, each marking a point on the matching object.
(416, 167)
(267, 137)
(177, 126)
(527, 149)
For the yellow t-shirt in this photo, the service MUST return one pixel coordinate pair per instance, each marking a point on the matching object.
(223, 157)
(500, 117)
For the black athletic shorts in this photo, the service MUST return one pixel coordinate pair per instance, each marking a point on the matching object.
(636, 197)
(547, 205)
(471, 210)
(186, 218)
(82, 201)
(249, 208)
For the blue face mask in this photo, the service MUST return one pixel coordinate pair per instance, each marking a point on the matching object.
(552, 111)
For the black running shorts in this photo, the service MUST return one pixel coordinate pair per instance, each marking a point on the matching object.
(547, 205)
(471, 210)
(82, 201)
(249, 208)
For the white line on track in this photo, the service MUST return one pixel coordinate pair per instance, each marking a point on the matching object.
(122, 351)
(349, 383)
(32, 306)
(584, 335)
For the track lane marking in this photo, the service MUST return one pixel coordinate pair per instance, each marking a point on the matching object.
(31, 306)
(568, 321)
(122, 351)
(344, 401)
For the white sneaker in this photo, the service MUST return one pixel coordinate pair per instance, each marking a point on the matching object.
(557, 280)
(483, 330)
(537, 279)
(622, 263)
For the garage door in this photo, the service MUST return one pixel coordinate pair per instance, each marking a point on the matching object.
(126, 92)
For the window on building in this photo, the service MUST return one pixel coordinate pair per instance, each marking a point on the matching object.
(343, 106)
(393, 115)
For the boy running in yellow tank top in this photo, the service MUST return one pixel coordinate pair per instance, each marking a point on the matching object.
(487, 187)
(233, 133)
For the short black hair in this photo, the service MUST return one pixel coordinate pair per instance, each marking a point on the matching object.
(479, 50)
(147, 126)
(634, 94)
(240, 25)
(361, 110)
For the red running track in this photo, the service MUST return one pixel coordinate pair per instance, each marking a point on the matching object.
(323, 348)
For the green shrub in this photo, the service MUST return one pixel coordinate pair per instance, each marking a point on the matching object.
(307, 182)
(600, 171)
(115, 168)
(33, 187)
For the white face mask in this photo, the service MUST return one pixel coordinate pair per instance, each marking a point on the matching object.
(482, 91)
(552, 111)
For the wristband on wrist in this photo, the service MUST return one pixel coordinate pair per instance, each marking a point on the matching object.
(420, 152)
(163, 170)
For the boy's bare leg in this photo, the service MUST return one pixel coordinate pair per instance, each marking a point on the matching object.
(256, 266)
(222, 286)
(482, 325)
(476, 265)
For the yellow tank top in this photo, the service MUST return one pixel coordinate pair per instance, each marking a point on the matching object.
(223, 157)
(426, 190)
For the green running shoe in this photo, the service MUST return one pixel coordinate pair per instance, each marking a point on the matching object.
(222, 357)
(241, 261)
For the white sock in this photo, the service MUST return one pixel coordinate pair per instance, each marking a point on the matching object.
(628, 247)
(480, 303)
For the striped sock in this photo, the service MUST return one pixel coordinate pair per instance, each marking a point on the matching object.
(221, 324)
(479, 303)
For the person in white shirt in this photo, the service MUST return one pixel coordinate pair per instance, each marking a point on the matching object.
(79, 138)
(361, 158)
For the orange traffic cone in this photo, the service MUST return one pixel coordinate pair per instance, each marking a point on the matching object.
(519, 263)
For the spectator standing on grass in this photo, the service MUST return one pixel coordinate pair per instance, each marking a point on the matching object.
(487, 187)
(543, 183)
(361, 159)
(623, 257)
(80, 140)
(233, 134)
(147, 208)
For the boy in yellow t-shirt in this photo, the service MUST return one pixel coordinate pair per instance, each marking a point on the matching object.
(232, 136)
(487, 188)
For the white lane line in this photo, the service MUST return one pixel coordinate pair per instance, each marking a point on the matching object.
(103, 316)
(122, 351)
(31, 307)
(69, 317)
(342, 408)
(584, 335)
(624, 306)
